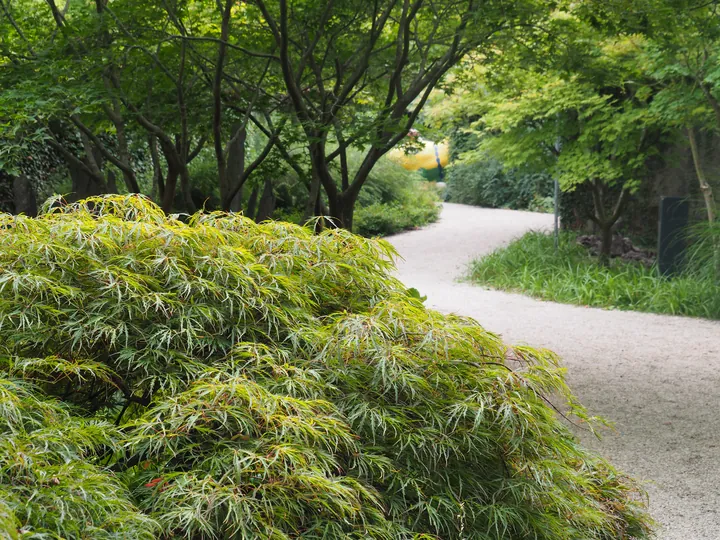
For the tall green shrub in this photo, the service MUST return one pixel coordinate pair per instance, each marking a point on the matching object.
(224, 379)
(488, 183)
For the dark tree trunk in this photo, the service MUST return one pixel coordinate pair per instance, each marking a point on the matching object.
(252, 203)
(112, 182)
(604, 219)
(186, 190)
(168, 199)
(84, 184)
(236, 166)
(266, 207)
(158, 187)
(24, 196)
(342, 209)
(606, 234)
(313, 199)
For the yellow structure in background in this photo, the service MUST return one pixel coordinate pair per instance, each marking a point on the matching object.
(430, 160)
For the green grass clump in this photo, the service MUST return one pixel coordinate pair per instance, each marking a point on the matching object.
(222, 379)
(531, 265)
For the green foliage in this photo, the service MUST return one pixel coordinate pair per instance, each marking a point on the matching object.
(51, 481)
(703, 257)
(393, 200)
(386, 219)
(267, 382)
(530, 265)
(486, 182)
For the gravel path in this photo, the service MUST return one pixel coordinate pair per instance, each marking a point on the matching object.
(656, 377)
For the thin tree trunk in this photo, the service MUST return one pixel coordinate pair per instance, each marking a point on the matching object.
(606, 234)
(605, 221)
(185, 188)
(158, 187)
(313, 197)
(168, 199)
(706, 190)
(111, 180)
(252, 203)
(266, 207)
(236, 165)
(705, 187)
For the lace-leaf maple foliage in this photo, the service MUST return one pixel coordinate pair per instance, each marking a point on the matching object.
(217, 378)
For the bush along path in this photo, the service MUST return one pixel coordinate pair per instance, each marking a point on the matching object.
(655, 377)
(223, 379)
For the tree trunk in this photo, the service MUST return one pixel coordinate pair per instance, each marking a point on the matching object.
(24, 196)
(705, 187)
(342, 209)
(606, 220)
(606, 235)
(707, 192)
(112, 181)
(168, 199)
(313, 198)
(252, 203)
(236, 166)
(190, 207)
(158, 187)
(266, 207)
(84, 184)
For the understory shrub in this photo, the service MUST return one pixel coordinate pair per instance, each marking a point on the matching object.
(384, 219)
(488, 183)
(217, 378)
(393, 200)
(531, 265)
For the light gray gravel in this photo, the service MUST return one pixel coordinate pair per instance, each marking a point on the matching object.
(656, 377)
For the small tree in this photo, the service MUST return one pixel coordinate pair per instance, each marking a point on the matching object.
(584, 117)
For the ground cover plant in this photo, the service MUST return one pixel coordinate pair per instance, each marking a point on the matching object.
(570, 275)
(219, 378)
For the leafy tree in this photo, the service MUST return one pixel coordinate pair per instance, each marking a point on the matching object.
(223, 379)
(358, 73)
(117, 89)
(584, 117)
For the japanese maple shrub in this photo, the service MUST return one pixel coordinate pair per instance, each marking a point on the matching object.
(222, 379)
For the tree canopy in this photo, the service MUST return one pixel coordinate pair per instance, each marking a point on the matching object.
(120, 89)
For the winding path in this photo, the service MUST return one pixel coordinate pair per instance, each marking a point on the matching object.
(656, 377)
